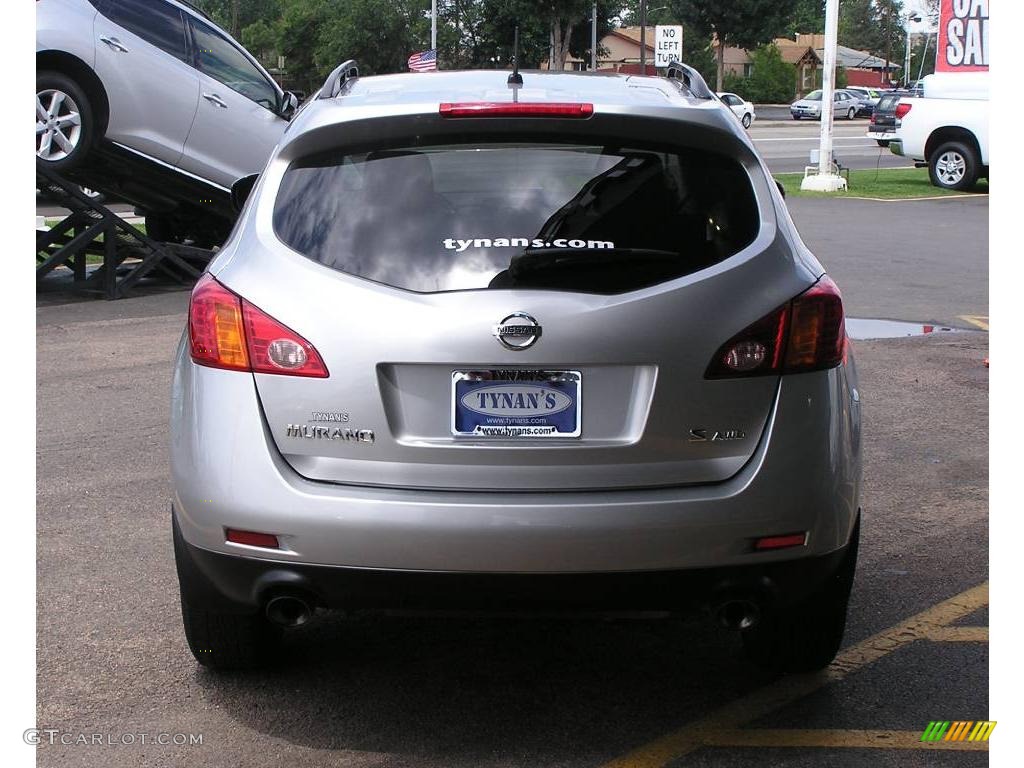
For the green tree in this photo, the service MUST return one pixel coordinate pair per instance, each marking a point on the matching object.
(236, 15)
(808, 18)
(876, 26)
(771, 81)
(743, 23)
(380, 36)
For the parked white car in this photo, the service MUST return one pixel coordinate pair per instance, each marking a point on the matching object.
(744, 110)
(947, 129)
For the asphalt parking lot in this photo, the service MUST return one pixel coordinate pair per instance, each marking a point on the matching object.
(473, 691)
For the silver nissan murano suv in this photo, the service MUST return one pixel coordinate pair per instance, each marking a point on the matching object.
(493, 345)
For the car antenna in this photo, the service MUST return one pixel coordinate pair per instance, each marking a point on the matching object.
(515, 78)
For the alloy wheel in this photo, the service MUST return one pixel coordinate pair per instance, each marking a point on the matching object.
(950, 168)
(58, 125)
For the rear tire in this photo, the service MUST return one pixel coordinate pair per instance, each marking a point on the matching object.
(229, 641)
(954, 165)
(221, 634)
(805, 637)
(65, 123)
(882, 142)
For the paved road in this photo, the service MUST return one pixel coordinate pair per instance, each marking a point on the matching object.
(922, 260)
(398, 691)
(785, 146)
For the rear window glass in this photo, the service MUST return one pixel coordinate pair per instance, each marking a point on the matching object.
(511, 215)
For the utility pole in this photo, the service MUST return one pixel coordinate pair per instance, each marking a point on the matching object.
(643, 37)
(906, 63)
(888, 43)
(593, 37)
(826, 180)
(433, 25)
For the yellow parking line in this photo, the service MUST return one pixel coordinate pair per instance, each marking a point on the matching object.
(833, 738)
(981, 321)
(958, 635)
(789, 689)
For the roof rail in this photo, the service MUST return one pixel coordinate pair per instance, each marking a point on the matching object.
(336, 80)
(690, 78)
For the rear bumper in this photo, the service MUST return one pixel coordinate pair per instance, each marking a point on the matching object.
(803, 476)
(240, 584)
(896, 147)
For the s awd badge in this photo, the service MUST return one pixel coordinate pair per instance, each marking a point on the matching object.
(715, 435)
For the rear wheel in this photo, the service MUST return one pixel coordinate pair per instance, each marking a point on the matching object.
(65, 125)
(221, 634)
(953, 165)
(882, 142)
(805, 637)
(229, 641)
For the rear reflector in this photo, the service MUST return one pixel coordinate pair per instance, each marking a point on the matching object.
(781, 542)
(226, 331)
(252, 538)
(805, 334)
(902, 109)
(515, 109)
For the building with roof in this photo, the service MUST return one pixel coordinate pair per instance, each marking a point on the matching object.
(862, 67)
(620, 52)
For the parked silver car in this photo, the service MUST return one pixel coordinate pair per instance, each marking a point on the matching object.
(161, 104)
(475, 348)
(844, 105)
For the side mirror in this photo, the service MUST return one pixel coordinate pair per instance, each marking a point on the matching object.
(782, 189)
(241, 190)
(289, 103)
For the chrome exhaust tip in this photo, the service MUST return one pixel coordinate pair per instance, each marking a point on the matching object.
(288, 610)
(737, 614)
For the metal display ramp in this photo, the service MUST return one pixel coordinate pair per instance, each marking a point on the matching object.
(127, 255)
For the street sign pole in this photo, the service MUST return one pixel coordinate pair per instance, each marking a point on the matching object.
(826, 180)
(593, 37)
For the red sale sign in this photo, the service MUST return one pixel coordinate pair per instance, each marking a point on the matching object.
(963, 36)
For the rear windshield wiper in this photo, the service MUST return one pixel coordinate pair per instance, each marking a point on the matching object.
(541, 259)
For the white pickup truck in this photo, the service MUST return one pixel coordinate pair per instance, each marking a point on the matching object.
(947, 130)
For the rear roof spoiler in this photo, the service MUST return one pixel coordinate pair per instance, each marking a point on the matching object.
(688, 77)
(337, 80)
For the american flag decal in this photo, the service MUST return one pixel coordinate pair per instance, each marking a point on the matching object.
(424, 61)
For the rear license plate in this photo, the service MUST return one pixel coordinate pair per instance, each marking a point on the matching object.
(513, 404)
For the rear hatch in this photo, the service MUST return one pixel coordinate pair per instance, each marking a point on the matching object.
(522, 312)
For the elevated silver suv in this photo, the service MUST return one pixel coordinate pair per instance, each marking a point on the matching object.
(165, 109)
(480, 344)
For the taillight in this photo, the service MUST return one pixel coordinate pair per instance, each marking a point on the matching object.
(226, 331)
(515, 109)
(902, 109)
(817, 329)
(805, 334)
(874, 118)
